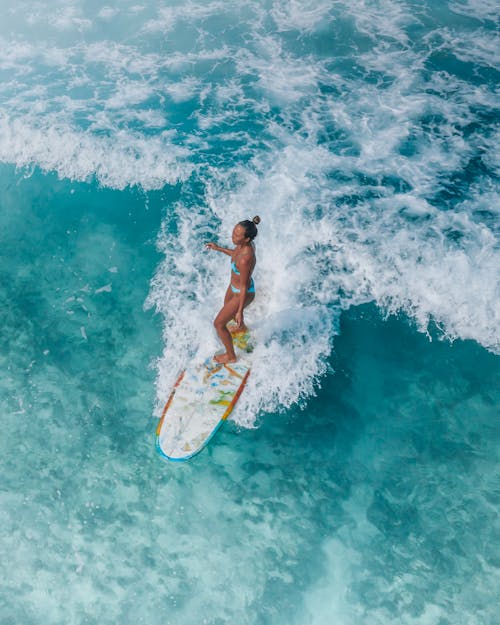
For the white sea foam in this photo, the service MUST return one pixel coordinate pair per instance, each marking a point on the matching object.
(480, 9)
(283, 77)
(382, 18)
(481, 46)
(107, 12)
(184, 90)
(129, 94)
(168, 16)
(301, 15)
(69, 18)
(24, 59)
(118, 161)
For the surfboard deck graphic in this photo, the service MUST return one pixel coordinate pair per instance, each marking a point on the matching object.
(201, 400)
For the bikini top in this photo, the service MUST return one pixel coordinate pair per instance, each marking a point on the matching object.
(234, 268)
(233, 265)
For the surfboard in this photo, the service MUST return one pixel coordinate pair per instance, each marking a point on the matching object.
(202, 399)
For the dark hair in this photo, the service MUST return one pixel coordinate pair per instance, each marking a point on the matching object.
(250, 227)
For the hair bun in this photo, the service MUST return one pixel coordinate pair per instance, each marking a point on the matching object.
(256, 220)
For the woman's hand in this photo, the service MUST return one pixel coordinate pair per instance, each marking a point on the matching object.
(212, 246)
(238, 317)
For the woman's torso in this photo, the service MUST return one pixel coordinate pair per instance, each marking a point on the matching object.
(236, 279)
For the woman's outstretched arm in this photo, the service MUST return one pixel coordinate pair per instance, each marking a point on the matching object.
(218, 248)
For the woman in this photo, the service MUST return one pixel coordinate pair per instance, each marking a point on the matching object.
(241, 289)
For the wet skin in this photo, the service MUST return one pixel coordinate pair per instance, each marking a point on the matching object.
(234, 303)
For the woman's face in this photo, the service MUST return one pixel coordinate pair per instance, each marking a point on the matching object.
(238, 235)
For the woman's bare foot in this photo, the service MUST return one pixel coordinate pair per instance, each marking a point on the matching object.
(224, 358)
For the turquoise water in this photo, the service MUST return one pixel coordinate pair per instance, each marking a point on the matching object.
(357, 482)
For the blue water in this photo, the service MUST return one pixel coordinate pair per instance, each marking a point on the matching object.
(357, 481)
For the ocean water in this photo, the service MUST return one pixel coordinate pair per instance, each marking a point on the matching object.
(357, 481)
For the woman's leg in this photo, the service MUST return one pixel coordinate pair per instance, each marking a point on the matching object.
(229, 294)
(225, 315)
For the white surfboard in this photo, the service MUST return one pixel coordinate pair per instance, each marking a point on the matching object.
(201, 400)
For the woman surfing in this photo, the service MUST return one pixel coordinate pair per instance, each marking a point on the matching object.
(241, 290)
